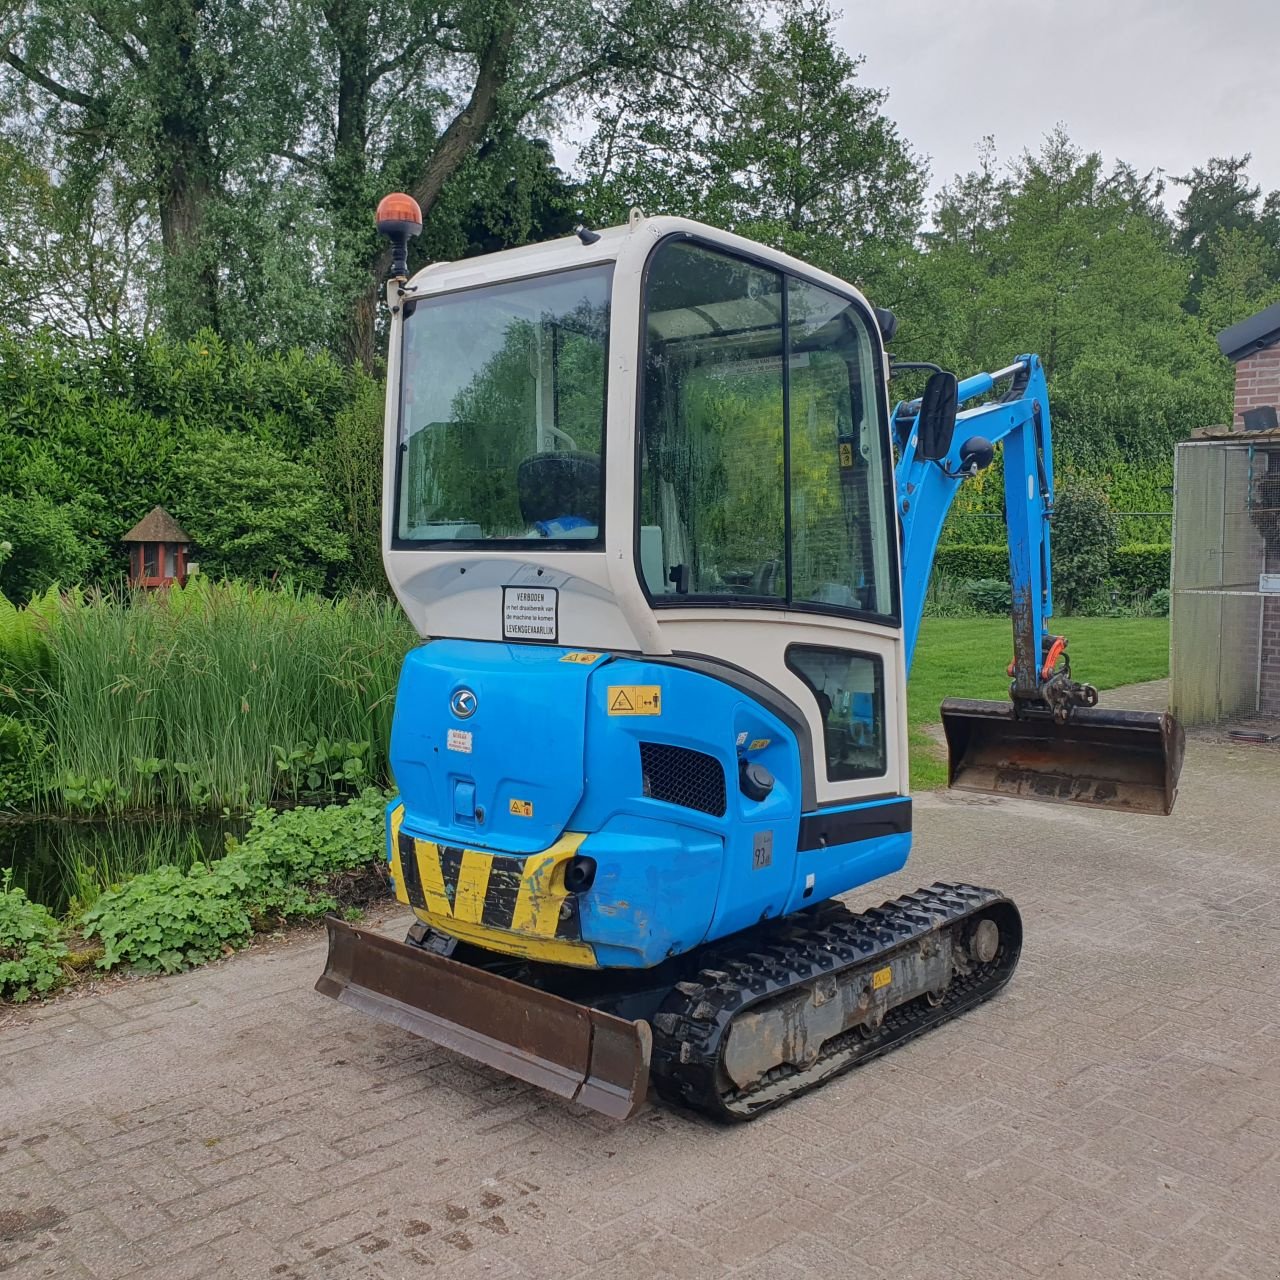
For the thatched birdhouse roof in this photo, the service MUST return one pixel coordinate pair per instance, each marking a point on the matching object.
(157, 526)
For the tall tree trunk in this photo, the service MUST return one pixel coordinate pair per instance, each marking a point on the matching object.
(186, 169)
(347, 176)
(184, 194)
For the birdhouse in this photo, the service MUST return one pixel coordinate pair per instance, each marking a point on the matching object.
(157, 550)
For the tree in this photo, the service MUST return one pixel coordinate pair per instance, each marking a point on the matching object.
(1221, 199)
(790, 149)
(260, 136)
(809, 161)
(1243, 276)
(75, 256)
(1058, 257)
(151, 85)
(410, 94)
(942, 313)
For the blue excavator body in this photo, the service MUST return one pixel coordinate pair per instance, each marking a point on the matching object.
(676, 853)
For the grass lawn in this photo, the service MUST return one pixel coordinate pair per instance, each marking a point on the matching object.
(966, 658)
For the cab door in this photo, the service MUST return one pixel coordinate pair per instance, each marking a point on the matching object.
(766, 537)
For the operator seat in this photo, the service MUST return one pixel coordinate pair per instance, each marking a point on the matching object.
(559, 493)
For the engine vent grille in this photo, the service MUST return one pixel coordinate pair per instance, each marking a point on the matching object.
(677, 775)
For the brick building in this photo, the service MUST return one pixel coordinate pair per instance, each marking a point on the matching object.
(1253, 346)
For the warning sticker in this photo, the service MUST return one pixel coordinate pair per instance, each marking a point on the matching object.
(846, 455)
(585, 658)
(529, 613)
(522, 808)
(635, 700)
(881, 978)
(459, 740)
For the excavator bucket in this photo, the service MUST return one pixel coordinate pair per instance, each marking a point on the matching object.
(574, 1051)
(1123, 760)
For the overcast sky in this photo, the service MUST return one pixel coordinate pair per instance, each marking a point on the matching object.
(1159, 83)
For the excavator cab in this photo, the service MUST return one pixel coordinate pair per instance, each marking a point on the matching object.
(640, 491)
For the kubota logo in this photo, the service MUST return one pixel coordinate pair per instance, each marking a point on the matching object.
(463, 704)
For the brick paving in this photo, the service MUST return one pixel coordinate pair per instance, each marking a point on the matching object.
(1115, 1113)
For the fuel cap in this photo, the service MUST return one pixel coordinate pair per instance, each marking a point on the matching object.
(755, 780)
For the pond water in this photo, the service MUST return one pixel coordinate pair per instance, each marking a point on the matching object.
(61, 861)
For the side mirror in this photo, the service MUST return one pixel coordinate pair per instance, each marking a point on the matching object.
(937, 423)
(887, 322)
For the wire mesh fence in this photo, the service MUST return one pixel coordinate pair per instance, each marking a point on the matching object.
(1225, 630)
(989, 527)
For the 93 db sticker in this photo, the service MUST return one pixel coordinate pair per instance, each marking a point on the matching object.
(761, 850)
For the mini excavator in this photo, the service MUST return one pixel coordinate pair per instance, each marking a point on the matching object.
(668, 548)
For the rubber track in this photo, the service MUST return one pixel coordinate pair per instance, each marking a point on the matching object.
(690, 1028)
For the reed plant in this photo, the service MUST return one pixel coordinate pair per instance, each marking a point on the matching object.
(218, 697)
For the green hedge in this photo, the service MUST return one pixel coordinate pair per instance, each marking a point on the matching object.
(1139, 569)
(235, 442)
(972, 560)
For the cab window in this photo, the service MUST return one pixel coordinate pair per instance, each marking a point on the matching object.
(849, 690)
(502, 412)
(764, 473)
(840, 535)
(712, 510)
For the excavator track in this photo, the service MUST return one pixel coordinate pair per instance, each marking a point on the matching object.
(897, 970)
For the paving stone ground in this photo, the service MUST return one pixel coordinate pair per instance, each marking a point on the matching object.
(1115, 1113)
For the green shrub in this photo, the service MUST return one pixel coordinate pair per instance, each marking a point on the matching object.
(256, 514)
(92, 437)
(349, 456)
(281, 869)
(31, 947)
(947, 597)
(1084, 537)
(990, 595)
(1137, 570)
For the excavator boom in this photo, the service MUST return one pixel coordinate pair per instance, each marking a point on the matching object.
(1050, 741)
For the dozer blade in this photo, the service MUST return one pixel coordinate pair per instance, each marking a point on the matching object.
(1125, 760)
(577, 1052)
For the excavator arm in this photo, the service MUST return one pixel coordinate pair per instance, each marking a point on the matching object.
(1050, 741)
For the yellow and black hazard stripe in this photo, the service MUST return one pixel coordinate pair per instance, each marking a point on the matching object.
(513, 903)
